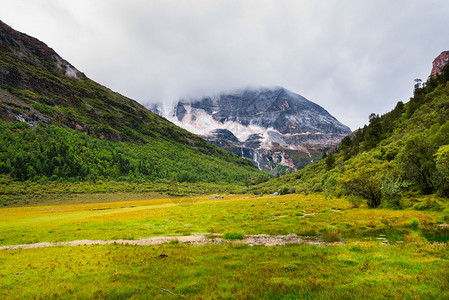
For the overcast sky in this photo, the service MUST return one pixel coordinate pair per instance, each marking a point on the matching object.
(353, 57)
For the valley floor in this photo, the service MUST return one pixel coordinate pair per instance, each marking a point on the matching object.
(255, 248)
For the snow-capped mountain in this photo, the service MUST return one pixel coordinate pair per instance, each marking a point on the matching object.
(270, 126)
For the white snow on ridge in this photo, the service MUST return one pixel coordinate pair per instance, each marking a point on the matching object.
(246, 113)
(201, 123)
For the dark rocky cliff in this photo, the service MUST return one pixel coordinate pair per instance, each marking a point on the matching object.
(439, 63)
(270, 126)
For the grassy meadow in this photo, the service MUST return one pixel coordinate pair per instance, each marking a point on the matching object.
(386, 253)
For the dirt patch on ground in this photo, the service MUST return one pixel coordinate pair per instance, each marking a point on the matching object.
(198, 239)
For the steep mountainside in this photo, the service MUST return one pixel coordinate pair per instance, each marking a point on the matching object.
(38, 85)
(270, 126)
(403, 152)
(44, 91)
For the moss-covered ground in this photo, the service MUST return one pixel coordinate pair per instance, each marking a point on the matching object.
(386, 254)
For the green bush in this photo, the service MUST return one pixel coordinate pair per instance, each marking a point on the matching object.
(414, 223)
(356, 201)
(284, 191)
(332, 235)
(392, 190)
(233, 236)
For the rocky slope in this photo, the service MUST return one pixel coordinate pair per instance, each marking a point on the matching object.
(439, 63)
(272, 126)
(36, 84)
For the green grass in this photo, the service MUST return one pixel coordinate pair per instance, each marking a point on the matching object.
(409, 267)
(15, 193)
(355, 271)
(310, 215)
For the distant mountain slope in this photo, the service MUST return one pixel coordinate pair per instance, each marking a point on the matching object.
(38, 85)
(270, 126)
(43, 90)
(404, 150)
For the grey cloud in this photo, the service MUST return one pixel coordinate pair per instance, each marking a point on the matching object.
(353, 57)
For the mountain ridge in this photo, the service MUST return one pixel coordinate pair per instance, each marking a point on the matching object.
(271, 126)
(57, 123)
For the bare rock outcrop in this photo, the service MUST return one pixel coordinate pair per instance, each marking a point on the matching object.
(439, 63)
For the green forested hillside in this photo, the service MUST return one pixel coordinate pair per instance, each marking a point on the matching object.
(58, 125)
(405, 151)
(49, 153)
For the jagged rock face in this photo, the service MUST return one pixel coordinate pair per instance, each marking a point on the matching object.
(33, 50)
(39, 59)
(269, 126)
(439, 63)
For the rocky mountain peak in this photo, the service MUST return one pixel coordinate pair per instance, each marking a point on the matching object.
(271, 126)
(33, 50)
(439, 63)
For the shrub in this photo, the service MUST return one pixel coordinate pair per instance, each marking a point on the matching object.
(362, 180)
(356, 201)
(233, 236)
(330, 183)
(53, 178)
(442, 163)
(332, 235)
(424, 204)
(285, 190)
(392, 190)
(416, 160)
(414, 224)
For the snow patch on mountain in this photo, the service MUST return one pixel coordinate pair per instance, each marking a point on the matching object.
(260, 124)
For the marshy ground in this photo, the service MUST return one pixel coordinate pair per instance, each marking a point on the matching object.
(236, 247)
